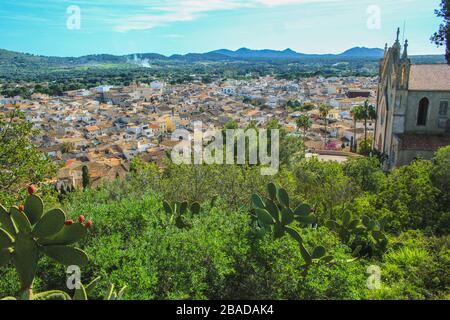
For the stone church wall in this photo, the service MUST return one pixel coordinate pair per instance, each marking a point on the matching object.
(435, 99)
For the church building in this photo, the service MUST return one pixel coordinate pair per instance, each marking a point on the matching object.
(412, 106)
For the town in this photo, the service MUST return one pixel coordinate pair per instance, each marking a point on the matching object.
(225, 157)
(105, 127)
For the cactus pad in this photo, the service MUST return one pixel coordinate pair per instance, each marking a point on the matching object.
(66, 255)
(195, 208)
(25, 257)
(20, 220)
(66, 236)
(6, 222)
(23, 234)
(50, 224)
(34, 208)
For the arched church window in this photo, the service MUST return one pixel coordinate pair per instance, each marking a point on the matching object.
(443, 108)
(423, 112)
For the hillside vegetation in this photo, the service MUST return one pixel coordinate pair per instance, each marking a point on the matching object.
(227, 250)
(101, 69)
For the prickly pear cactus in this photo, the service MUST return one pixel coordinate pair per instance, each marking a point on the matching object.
(365, 236)
(377, 236)
(177, 211)
(344, 227)
(26, 232)
(274, 215)
(82, 293)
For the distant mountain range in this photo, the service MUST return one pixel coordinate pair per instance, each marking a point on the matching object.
(21, 60)
(245, 53)
(217, 55)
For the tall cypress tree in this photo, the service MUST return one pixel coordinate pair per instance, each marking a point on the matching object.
(86, 178)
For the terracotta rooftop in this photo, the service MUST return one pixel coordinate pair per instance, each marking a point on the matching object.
(429, 77)
(92, 128)
(424, 142)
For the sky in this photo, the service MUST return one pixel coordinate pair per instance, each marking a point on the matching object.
(81, 27)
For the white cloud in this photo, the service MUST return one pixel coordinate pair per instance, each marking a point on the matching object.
(175, 11)
(273, 3)
(188, 10)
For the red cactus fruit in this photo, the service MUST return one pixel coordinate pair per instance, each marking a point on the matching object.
(68, 222)
(21, 208)
(81, 218)
(88, 224)
(31, 189)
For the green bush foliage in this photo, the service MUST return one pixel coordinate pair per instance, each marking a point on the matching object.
(219, 252)
(415, 267)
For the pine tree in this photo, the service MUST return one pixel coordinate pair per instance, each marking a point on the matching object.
(442, 37)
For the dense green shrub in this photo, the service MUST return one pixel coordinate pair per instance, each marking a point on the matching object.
(279, 273)
(220, 255)
(441, 170)
(195, 263)
(415, 267)
(440, 176)
(325, 186)
(410, 200)
(117, 245)
(365, 172)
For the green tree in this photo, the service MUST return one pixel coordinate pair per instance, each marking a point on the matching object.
(364, 113)
(67, 147)
(365, 172)
(304, 122)
(307, 106)
(324, 111)
(440, 176)
(291, 150)
(411, 200)
(442, 37)
(441, 170)
(86, 177)
(21, 162)
(325, 185)
(231, 125)
(369, 113)
(356, 114)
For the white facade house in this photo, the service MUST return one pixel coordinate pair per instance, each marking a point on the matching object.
(156, 85)
(103, 89)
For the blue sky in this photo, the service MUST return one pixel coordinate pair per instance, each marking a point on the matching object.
(182, 26)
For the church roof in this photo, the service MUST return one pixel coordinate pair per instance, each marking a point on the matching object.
(429, 77)
(424, 142)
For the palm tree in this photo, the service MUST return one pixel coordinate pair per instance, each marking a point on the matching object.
(369, 113)
(67, 147)
(365, 112)
(357, 114)
(304, 122)
(324, 110)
